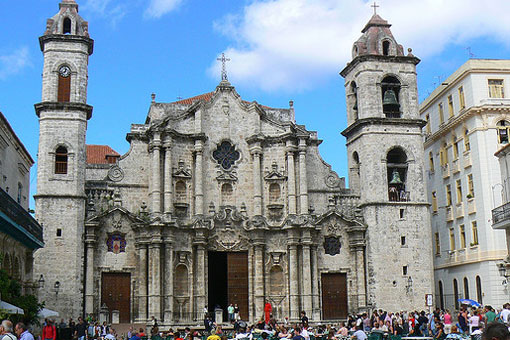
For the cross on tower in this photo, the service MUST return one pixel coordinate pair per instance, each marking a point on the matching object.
(375, 6)
(223, 60)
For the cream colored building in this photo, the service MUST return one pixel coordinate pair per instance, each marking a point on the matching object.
(468, 120)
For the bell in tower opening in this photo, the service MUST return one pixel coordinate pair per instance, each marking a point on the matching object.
(390, 90)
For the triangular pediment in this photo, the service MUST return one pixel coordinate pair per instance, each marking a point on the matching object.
(113, 211)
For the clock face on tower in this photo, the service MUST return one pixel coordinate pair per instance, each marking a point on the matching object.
(65, 71)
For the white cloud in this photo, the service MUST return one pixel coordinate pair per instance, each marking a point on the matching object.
(158, 8)
(14, 62)
(292, 44)
(107, 9)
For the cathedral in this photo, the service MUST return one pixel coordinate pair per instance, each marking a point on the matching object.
(220, 200)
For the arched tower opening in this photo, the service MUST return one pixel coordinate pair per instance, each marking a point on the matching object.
(390, 97)
(396, 162)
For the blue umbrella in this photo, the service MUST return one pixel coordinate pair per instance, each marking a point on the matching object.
(469, 302)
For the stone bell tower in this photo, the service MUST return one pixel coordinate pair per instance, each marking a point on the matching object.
(385, 156)
(60, 200)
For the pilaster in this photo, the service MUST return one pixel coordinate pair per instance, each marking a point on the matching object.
(168, 198)
(303, 181)
(156, 173)
(291, 178)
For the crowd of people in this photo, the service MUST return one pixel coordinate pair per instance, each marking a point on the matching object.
(378, 325)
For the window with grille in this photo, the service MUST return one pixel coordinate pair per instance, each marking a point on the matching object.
(438, 243)
(462, 100)
(441, 113)
(450, 106)
(462, 231)
(448, 195)
(61, 160)
(434, 201)
(496, 88)
(452, 239)
(471, 187)
(467, 145)
(458, 185)
(474, 231)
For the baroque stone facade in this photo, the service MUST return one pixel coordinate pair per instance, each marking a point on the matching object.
(220, 200)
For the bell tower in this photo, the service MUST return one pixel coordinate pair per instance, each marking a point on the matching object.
(385, 156)
(60, 200)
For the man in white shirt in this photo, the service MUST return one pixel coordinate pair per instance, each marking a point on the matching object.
(505, 313)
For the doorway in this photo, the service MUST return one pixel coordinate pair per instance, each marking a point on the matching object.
(116, 294)
(228, 281)
(334, 296)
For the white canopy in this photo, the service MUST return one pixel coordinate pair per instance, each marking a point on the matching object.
(11, 309)
(47, 313)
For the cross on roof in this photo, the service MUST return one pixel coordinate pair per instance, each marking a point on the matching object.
(375, 6)
(223, 60)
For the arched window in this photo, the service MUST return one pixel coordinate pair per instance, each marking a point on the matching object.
(20, 192)
(466, 288)
(503, 131)
(64, 84)
(390, 97)
(227, 194)
(354, 95)
(456, 293)
(441, 295)
(479, 295)
(386, 47)
(67, 26)
(396, 162)
(274, 192)
(181, 286)
(180, 192)
(61, 160)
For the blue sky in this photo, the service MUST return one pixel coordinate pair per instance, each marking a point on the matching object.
(281, 50)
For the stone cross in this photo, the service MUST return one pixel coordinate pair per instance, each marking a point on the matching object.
(223, 60)
(374, 6)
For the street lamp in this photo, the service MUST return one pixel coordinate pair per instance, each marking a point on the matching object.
(57, 287)
(41, 281)
(409, 284)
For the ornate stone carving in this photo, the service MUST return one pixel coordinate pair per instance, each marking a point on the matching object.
(181, 171)
(332, 245)
(332, 180)
(115, 174)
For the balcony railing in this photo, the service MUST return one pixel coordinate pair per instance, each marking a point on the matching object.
(21, 217)
(501, 213)
(446, 170)
(449, 213)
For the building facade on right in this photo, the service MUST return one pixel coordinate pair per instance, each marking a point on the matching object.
(468, 120)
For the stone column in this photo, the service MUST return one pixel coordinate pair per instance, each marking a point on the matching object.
(257, 183)
(291, 176)
(156, 174)
(316, 314)
(293, 277)
(142, 282)
(155, 278)
(360, 276)
(307, 280)
(90, 243)
(169, 282)
(259, 280)
(303, 185)
(168, 206)
(199, 190)
(200, 278)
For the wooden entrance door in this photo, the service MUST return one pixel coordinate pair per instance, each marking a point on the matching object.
(116, 294)
(237, 269)
(334, 296)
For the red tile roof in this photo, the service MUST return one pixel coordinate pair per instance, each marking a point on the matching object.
(206, 97)
(96, 154)
(188, 101)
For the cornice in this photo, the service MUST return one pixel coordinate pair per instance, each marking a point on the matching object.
(68, 39)
(382, 121)
(63, 106)
(379, 58)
